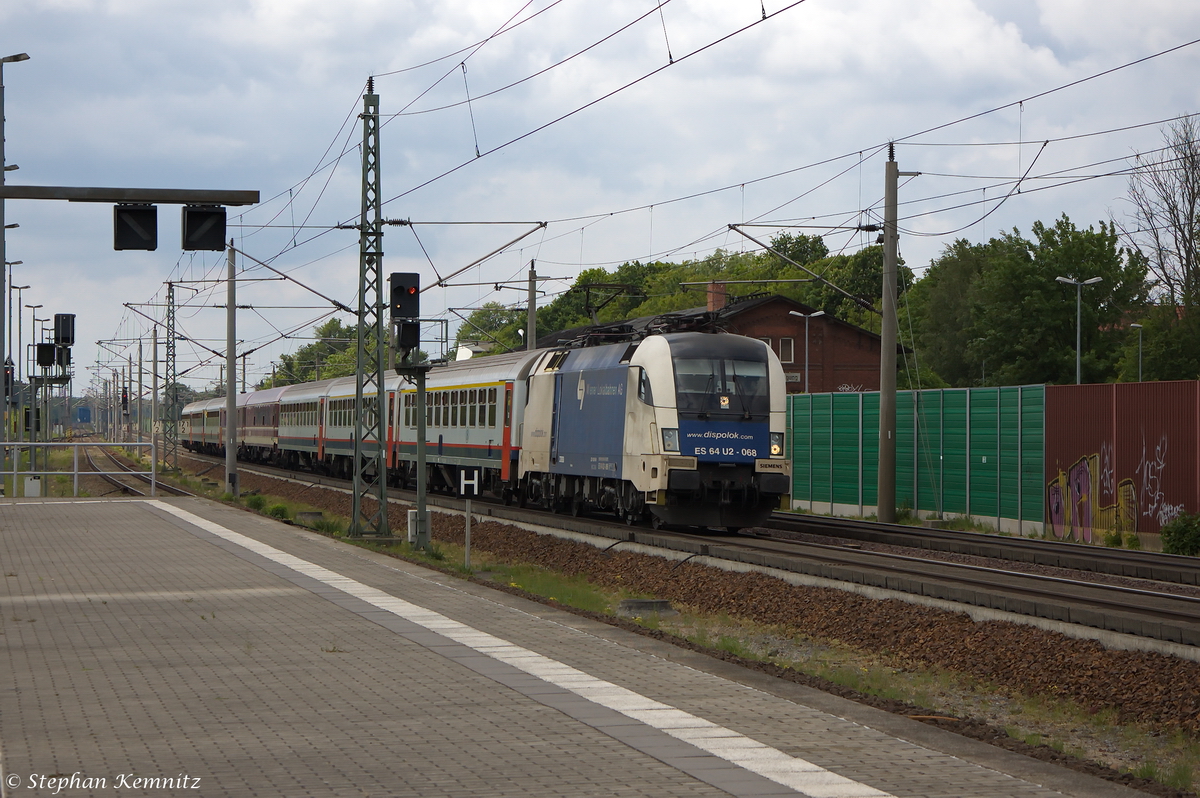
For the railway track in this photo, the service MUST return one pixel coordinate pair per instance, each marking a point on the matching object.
(132, 482)
(1165, 609)
(1057, 554)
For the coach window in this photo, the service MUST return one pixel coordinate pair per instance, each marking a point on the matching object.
(471, 414)
(491, 407)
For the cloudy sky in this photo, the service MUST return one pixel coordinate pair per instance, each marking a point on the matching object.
(636, 130)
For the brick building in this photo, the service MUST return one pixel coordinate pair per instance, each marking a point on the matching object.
(841, 356)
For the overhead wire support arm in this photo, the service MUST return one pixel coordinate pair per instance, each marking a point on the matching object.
(332, 301)
(856, 299)
(178, 335)
(441, 283)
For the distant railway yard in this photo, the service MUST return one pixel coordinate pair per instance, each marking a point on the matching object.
(1079, 655)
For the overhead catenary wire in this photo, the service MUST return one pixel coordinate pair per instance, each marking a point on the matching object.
(1027, 177)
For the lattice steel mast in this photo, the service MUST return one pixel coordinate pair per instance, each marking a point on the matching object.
(370, 400)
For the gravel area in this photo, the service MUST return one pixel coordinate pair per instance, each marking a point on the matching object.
(1152, 690)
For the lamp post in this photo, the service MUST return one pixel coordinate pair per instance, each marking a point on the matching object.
(32, 410)
(8, 407)
(1138, 327)
(4, 169)
(806, 317)
(9, 339)
(1078, 317)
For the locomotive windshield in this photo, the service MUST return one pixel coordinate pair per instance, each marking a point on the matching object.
(720, 377)
(721, 386)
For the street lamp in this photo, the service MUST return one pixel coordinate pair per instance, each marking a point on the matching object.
(806, 317)
(1078, 316)
(9, 358)
(1138, 327)
(33, 309)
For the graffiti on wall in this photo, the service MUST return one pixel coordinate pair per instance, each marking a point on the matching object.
(1076, 499)
(1150, 470)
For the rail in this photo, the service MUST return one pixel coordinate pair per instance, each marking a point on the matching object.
(33, 473)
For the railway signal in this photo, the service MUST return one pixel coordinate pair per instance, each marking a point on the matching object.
(405, 289)
(135, 227)
(202, 227)
(64, 329)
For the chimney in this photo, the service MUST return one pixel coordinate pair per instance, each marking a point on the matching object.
(716, 296)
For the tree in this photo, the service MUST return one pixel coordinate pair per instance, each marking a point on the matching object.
(860, 275)
(322, 359)
(494, 324)
(939, 305)
(1023, 321)
(1165, 191)
(804, 249)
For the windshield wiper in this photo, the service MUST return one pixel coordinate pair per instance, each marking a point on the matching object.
(738, 390)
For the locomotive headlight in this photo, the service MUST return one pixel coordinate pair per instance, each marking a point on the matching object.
(777, 444)
(670, 440)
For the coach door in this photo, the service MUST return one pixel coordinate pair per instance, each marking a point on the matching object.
(506, 433)
(392, 413)
(321, 429)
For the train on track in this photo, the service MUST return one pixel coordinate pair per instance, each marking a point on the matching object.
(683, 428)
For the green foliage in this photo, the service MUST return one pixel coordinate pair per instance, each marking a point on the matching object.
(329, 526)
(333, 354)
(650, 289)
(803, 249)
(256, 502)
(1170, 346)
(993, 314)
(1182, 535)
(939, 306)
(278, 511)
(493, 324)
(1132, 541)
(1112, 538)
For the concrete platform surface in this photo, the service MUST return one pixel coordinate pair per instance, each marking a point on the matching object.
(181, 647)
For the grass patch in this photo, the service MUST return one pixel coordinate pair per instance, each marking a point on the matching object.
(573, 591)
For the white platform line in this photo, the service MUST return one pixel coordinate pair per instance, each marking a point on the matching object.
(738, 749)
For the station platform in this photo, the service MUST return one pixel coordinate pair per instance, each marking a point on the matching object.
(182, 647)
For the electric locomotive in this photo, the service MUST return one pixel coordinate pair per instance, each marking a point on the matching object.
(686, 428)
